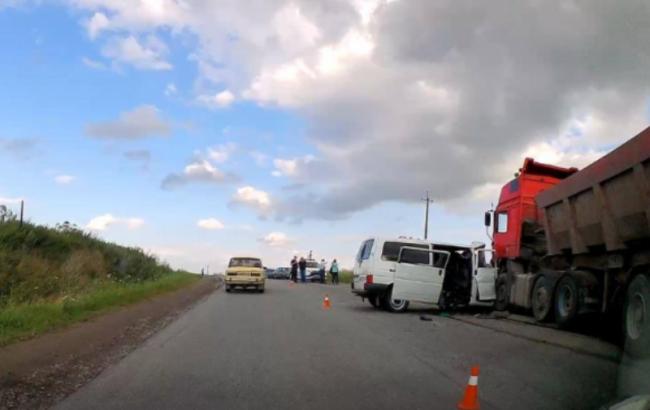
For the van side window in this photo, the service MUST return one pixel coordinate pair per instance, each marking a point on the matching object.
(440, 260)
(364, 250)
(416, 257)
(502, 222)
(390, 252)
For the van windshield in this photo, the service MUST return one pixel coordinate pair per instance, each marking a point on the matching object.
(390, 252)
(246, 262)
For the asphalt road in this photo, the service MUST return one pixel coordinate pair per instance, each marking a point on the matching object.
(281, 350)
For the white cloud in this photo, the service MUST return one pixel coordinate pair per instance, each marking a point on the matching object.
(259, 157)
(94, 64)
(220, 100)
(251, 197)
(149, 55)
(294, 30)
(103, 222)
(397, 93)
(170, 89)
(97, 23)
(221, 153)
(276, 239)
(210, 224)
(64, 179)
(197, 171)
(290, 167)
(143, 121)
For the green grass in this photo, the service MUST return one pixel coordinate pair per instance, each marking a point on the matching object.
(345, 276)
(43, 263)
(24, 320)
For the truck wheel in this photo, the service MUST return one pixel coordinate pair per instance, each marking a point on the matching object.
(542, 299)
(228, 288)
(636, 317)
(566, 301)
(503, 293)
(393, 305)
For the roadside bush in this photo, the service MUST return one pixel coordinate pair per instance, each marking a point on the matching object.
(38, 262)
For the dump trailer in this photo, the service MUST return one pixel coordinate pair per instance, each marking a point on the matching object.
(571, 242)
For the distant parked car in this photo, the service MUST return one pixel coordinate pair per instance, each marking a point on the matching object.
(269, 272)
(313, 273)
(281, 273)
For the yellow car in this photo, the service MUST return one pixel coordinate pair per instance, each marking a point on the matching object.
(246, 272)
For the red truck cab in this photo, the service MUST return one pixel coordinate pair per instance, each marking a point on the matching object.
(517, 204)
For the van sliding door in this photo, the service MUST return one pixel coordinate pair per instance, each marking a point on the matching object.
(419, 274)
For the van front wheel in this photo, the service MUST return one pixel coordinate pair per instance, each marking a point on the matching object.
(393, 305)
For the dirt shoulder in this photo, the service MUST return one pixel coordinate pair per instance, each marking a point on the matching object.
(39, 372)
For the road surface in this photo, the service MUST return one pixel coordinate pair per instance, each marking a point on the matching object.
(282, 350)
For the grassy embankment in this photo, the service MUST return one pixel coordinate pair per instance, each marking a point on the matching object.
(345, 276)
(52, 277)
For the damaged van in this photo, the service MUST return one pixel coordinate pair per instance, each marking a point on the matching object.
(390, 273)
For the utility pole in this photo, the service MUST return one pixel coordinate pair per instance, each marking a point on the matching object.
(22, 211)
(426, 215)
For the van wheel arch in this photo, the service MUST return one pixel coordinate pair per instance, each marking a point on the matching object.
(387, 303)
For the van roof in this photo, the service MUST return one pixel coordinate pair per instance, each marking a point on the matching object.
(473, 245)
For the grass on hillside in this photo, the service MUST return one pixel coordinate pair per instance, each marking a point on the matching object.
(39, 262)
(54, 276)
(25, 320)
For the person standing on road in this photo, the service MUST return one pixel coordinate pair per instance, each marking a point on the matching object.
(321, 270)
(302, 264)
(334, 271)
(294, 269)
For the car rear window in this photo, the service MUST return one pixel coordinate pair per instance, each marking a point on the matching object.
(247, 262)
(390, 251)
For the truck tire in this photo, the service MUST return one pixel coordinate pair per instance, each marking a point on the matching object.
(393, 305)
(228, 288)
(541, 299)
(566, 301)
(503, 293)
(636, 317)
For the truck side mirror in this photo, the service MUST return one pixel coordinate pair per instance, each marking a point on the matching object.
(488, 219)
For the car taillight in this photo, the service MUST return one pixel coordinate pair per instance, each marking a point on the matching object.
(369, 279)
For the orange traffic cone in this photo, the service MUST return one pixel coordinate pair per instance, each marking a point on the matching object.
(326, 303)
(470, 400)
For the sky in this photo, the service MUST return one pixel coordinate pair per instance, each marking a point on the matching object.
(198, 130)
